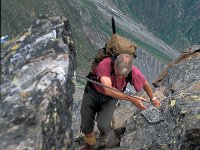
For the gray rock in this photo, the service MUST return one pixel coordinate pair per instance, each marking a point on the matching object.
(37, 71)
(152, 114)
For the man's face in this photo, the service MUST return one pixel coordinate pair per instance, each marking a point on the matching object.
(117, 73)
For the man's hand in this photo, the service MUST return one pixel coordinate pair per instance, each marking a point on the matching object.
(138, 103)
(147, 89)
(156, 102)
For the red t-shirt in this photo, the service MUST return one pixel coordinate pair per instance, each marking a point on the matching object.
(104, 68)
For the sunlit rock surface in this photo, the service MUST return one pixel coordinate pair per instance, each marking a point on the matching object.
(37, 87)
(190, 53)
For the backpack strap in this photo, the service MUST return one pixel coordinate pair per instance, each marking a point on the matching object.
(113, 58)
(128, 80)
(129, 77)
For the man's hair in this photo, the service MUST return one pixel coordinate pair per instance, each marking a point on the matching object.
(123, 64)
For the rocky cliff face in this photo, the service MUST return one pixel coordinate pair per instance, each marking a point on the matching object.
(37, 86)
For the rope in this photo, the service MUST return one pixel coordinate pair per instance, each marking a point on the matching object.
(79, 76)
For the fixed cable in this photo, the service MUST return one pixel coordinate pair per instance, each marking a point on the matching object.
(92, 81)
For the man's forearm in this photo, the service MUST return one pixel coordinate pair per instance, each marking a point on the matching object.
(118, 95)
(121, 96)
(148, 90)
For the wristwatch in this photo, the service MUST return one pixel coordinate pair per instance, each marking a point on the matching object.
(154, 98)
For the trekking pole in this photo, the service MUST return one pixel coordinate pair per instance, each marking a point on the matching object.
(110, 88)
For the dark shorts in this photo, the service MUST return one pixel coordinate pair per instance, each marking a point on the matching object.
(99, 107)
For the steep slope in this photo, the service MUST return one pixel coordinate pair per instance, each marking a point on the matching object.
(91, 25)
(176, 22)
(97, 28)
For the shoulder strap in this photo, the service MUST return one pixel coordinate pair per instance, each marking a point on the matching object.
(129, 77)
(113, 58)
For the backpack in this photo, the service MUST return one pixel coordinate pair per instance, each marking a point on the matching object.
(115, 46)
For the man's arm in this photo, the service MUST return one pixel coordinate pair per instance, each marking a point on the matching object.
(107, 82)
(148, 90)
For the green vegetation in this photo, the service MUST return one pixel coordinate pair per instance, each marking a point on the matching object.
(174, 22)
(148, 48)
(171, 22)
(18, 15)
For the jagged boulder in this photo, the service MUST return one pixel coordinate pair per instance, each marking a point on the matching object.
(37, 87)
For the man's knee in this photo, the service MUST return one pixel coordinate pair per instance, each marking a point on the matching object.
(104, 127)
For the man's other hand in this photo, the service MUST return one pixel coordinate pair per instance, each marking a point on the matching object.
(156, 103)
(138, 103)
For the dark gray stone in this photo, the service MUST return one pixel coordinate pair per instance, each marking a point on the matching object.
(152, 114)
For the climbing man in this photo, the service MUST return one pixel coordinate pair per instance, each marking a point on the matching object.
(99, 102)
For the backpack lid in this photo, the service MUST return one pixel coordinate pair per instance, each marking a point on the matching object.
(117, 45)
